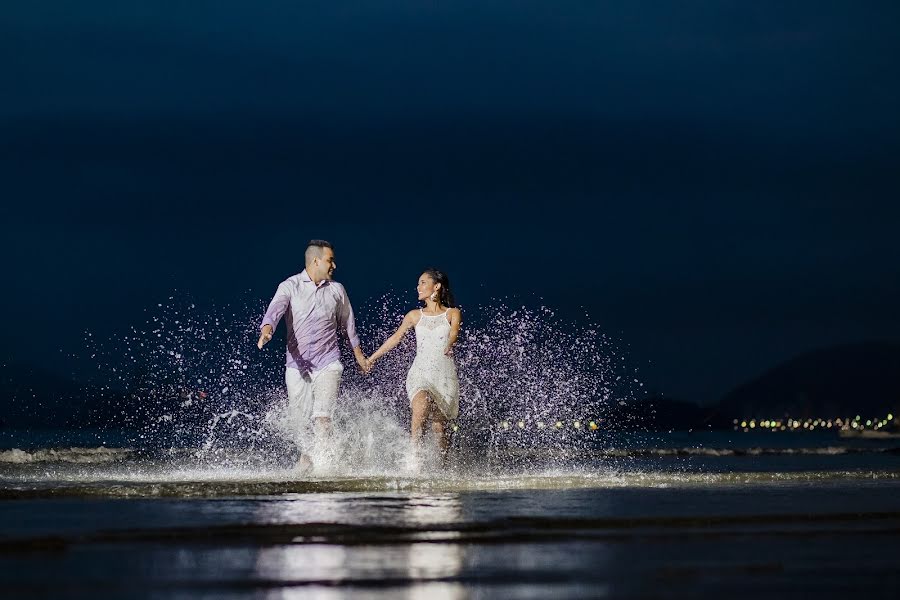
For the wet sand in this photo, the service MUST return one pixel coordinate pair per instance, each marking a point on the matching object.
(648, 534)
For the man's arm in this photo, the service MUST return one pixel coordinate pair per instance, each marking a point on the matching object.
(348, 323)
(276, 310)
(361, 359)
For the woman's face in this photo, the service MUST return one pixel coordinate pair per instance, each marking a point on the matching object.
(426, 286)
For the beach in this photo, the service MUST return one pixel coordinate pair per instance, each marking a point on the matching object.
(808, 517)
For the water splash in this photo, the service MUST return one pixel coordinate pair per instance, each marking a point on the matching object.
(192, 377)
(527, 376)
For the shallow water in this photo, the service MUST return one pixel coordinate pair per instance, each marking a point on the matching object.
(191, 489)
(635, 516)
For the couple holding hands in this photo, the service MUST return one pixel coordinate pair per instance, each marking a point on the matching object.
(316, 308)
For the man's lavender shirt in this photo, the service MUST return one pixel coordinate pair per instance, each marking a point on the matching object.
(313, 314)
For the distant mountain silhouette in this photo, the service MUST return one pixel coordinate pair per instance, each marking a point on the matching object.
(855, 379)
(848, 380)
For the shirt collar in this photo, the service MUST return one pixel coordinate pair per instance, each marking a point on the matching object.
(304, 276)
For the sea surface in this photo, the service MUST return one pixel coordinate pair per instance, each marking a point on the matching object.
(674, 515)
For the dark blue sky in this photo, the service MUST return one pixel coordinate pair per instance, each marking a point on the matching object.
(717, 183)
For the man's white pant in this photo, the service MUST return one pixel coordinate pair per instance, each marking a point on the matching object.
(312, 396)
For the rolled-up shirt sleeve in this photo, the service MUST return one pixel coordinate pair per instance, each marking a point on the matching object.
(347, 320)
(277, 307)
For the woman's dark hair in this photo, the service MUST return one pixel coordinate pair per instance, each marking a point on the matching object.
(440, 277)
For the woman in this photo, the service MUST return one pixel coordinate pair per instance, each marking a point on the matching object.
(432, 385)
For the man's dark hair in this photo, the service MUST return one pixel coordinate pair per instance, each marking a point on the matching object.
(314, 249)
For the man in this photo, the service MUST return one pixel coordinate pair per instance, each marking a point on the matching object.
(315, 307)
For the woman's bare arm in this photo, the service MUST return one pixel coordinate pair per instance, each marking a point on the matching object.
(409, 321)
(455, 319)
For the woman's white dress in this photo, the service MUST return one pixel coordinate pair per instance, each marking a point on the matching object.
(432, 370)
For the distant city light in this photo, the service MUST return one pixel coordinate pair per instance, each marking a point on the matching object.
(814, 423)
(786, 423)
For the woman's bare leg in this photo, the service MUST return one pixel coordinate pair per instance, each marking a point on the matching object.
(420, 404)
(442, 431)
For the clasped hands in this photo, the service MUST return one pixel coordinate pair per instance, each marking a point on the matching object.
(365, 364)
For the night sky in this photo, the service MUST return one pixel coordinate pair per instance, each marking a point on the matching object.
(714, 183)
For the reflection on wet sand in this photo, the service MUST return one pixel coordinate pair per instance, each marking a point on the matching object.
(682, 542)
(316, 566)
(429, 561)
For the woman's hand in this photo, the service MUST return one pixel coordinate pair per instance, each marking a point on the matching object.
(448, 351)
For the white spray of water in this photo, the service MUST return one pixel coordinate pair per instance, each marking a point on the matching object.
(194, 379)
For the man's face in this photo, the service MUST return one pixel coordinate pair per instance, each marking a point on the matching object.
(325, 266)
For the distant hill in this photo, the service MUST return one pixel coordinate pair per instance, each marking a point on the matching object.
(855, 379)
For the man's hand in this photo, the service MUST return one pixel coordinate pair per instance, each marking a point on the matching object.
(264, 336)
(361, 360)
(364, 364)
